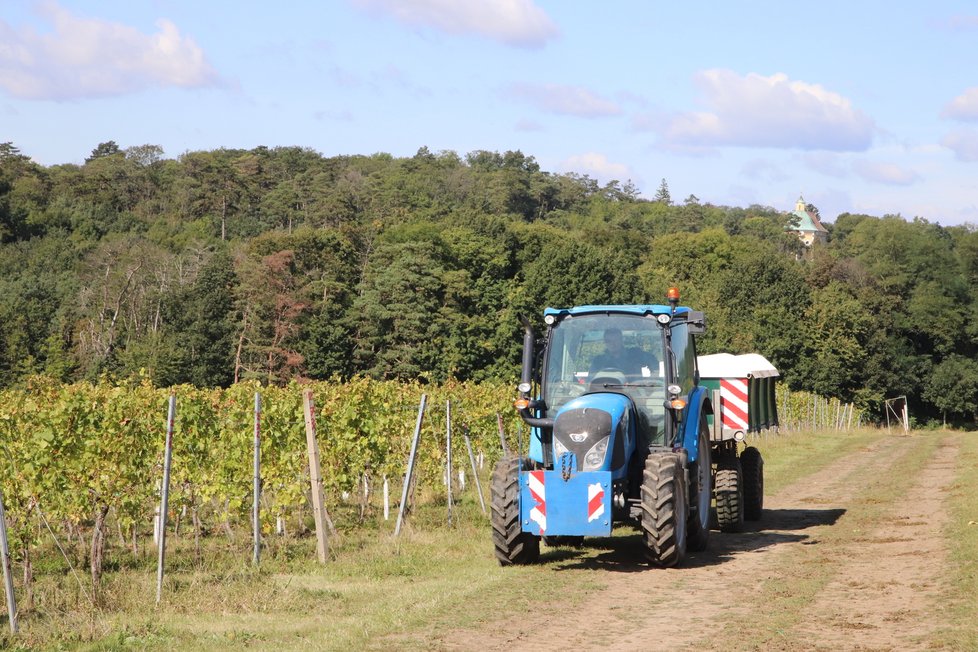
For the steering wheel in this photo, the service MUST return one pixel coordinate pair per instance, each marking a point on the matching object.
(606, 376)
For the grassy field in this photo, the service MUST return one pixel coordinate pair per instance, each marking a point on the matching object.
(380, 593)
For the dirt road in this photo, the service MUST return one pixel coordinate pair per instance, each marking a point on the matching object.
(848, 558)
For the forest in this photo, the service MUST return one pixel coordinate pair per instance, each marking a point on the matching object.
(274, 264)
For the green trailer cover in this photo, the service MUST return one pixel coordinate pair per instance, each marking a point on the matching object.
(755, 416)
(761, 375)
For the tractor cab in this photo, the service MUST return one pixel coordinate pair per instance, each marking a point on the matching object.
(627, 367)
(622, 354)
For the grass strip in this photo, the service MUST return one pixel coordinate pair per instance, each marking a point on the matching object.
(962, 533)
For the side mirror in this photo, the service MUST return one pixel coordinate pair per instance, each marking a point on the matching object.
(696, 322)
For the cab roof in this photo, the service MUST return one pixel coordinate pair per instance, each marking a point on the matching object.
(632, 309)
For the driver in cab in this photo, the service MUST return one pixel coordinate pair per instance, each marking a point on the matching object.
(632, 361)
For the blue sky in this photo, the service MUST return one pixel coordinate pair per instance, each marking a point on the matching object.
(861, 106)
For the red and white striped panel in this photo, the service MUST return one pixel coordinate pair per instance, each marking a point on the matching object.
(595, 501)
(733, 403)
(538, 514)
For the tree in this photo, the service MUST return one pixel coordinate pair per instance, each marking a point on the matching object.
(21, 192)
(104, 149)
(272, 299)
(202, 323)
(953, 387)
(214, 187)
(662, 195)
(144, 155)
(836, 331)
(397, 319)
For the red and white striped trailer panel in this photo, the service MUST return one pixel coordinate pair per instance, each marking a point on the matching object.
(733, 403)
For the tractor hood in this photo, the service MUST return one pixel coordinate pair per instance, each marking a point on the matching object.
(594, 431)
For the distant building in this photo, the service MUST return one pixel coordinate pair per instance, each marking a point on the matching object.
(809, 229)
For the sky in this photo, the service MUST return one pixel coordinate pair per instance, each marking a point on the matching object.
(858, 106)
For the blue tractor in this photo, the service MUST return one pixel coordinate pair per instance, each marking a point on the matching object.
(619, 434)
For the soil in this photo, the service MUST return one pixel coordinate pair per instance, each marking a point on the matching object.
(856, 571)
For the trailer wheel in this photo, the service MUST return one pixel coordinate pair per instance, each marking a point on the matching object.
(701, 476)
(729, 495)
(512, 545)
(753, 466)
(664, 509)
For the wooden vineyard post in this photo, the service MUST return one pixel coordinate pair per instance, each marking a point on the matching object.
(448, 456)
(410, 468)
(165, 494)
(255, 514)
(8, 580)
(315, 478)
(475, 472)
(502, 433)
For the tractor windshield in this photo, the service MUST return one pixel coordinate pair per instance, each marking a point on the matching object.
(608, 353)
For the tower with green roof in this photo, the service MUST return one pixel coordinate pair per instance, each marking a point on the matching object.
(809, 229)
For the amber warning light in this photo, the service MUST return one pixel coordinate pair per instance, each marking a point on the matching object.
(673, 295)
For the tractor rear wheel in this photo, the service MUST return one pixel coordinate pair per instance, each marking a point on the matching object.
(664, 509)
(729, 495)
(753, 466)
(701, 475)
(512, 545)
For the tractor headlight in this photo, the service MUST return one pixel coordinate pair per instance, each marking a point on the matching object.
(594, 458)
(559, 449)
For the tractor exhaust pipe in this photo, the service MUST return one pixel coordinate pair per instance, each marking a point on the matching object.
(526, 379)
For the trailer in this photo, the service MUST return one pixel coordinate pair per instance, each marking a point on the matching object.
(743, 392)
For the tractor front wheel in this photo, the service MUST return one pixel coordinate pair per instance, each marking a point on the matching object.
(512, 545)
(753, 467)
(701, 474)
(664, 509)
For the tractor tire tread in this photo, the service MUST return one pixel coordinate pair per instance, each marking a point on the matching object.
(663, 510)
(753, 471)
(512, 546)
(729, 495)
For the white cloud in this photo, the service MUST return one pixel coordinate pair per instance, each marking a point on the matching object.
(964, 144)
(963, 107)
(596, 165)
(886, 173)
(85, 57)
(758, 111)
(565, 100)
(514, 22)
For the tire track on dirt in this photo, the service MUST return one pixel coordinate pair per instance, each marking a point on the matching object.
(651, 609)
(886, 595)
